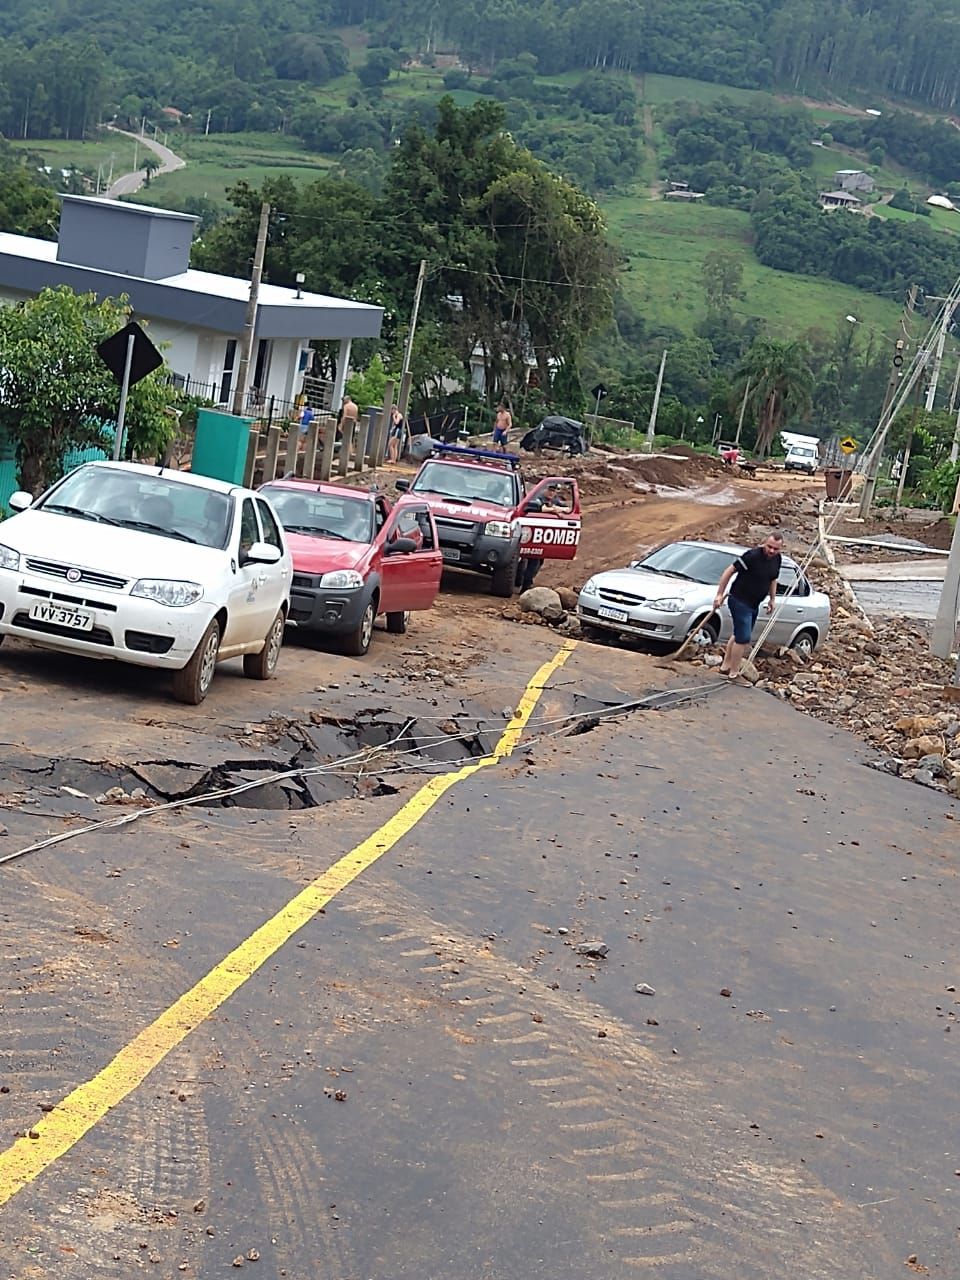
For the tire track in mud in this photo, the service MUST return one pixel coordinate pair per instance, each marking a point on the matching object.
(656, 1170)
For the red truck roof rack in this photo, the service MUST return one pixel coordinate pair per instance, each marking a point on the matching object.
(511, 460)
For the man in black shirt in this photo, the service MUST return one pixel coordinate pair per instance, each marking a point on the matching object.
(756, 573)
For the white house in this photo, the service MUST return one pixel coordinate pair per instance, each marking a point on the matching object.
(111, 249)
(839, 200)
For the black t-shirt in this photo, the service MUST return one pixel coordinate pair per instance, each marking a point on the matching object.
(755, 571)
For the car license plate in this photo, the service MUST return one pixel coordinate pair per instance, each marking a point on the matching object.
(62, 616)
(615, 615)
(450, 553)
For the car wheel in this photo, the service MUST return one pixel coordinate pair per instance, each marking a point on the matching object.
(263, 665)
(502, 582)
(804, 643)
(357, 642)
(397, 622)
(705, 633)
(192, 683)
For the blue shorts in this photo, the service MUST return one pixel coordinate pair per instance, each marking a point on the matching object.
(500, 435)
(744, 618)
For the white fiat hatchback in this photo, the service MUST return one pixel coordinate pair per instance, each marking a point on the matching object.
(149, 566)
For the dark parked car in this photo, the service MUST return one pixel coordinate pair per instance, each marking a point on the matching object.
(564, 435)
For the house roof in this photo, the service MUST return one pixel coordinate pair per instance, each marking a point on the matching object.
(846, 196)
(199, 299)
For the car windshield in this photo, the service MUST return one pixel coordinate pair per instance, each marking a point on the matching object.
(145, 501)
(468, 484)
(802, 453)
(322, 515)
(690, 561)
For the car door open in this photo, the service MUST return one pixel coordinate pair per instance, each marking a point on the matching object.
(550, 520)
(411, 578)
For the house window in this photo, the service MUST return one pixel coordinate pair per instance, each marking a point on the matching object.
(226, 379)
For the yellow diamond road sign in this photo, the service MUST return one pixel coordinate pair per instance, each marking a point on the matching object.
(849, 445)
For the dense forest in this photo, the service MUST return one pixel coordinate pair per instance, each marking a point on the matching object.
(66, 63)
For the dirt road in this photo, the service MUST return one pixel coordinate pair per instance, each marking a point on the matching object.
(129, 183)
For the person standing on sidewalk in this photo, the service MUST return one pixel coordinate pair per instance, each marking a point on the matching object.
(754, 575)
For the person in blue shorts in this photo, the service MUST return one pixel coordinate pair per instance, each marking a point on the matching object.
(754, 575)
(501, 428)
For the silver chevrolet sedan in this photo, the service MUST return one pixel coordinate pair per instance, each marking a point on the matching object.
(669, 594)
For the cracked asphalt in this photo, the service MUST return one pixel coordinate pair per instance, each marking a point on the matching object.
(431, 1079)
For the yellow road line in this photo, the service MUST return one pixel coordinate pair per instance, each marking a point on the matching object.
(65, 1125)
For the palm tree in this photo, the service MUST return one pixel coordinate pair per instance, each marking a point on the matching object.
(781, 383)
(150, 166)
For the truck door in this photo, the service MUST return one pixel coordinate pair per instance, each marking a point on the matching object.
(550, 520)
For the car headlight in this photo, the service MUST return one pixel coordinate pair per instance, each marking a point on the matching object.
(169, 592)
(590, 587)
(9, 559)
(499, 528)
(343, 579)
(670, 604)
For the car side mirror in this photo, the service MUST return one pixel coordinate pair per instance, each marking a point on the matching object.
(399, 547)
(20, 500)
(261, 553)
(402, 486)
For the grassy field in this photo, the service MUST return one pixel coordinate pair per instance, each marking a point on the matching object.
(111, 149)
(658, 90)
(219, 161)
(667, 243)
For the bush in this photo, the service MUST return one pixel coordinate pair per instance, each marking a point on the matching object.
(456, 78)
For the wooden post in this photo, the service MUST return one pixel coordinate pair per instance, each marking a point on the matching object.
(378, 442)
(310, 452)
(383, 426)
(250, 466)
(270, 459)
(329, 439)
(367, 431)
(293, 443)
(347, 428)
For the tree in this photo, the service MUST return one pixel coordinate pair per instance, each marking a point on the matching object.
(377, 68)
(722, 279)
(781, 386)
(56, 394)
(150, 165)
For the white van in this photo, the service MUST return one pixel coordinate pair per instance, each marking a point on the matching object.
(802, 457)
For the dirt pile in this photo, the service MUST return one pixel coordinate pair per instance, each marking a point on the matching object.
(881, 682)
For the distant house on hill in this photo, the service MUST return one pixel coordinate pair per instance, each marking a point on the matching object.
(854, 180)
(839, 200)
(684, 195)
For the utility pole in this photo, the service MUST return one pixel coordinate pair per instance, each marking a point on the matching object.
(743, 410)
(938, 355)
(876, 453)
(250, 320)
(905, 463)
(652, 425)
(411, 332)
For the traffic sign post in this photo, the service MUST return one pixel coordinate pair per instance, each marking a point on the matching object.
(848, 445)
(600, 392)
(130, 356)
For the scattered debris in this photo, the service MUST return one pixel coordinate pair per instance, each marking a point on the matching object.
(644, 989)
(593, 950)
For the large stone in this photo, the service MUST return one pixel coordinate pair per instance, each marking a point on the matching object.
(537, 599)
(926, 745)
(916, 726)
(568, 598)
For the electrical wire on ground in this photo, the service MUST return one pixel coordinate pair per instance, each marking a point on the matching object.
(661, 700)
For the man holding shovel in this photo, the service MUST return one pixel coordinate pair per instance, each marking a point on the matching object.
(756, 573)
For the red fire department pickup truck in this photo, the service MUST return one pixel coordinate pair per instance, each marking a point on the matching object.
(486, 520)
(355, 556)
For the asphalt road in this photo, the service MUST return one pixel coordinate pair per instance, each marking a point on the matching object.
(129, 183)
(510, 1108)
